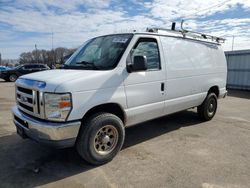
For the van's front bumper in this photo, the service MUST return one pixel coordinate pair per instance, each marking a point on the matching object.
(61, 134)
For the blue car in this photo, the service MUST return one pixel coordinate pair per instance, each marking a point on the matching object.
(2, 68)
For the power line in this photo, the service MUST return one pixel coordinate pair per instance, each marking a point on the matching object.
(208, 8)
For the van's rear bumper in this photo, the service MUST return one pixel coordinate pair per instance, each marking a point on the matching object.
(62, 134)
(223, 93)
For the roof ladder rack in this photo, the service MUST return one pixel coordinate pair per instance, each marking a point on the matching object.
(186, 33)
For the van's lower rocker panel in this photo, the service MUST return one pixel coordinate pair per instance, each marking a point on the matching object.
(182, 103)
(144, 113)
(155, 110)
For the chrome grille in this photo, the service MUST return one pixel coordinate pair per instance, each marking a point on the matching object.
(28, 101)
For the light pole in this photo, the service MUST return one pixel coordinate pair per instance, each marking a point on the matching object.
(52, 45)
(233, 44)
(36, 54)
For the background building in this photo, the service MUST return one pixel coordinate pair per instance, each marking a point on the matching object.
(238, 63)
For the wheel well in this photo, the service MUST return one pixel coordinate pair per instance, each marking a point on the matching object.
(214, 89)
(112, 108)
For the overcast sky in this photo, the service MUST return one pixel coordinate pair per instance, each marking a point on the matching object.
(24, 23)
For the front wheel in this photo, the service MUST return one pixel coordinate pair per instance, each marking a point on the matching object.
(100, 138)
(208, 108)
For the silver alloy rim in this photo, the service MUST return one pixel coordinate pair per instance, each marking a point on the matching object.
(106, 139)
(211, 107)
(12, 78)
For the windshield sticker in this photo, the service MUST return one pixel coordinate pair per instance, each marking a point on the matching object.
(120, 40)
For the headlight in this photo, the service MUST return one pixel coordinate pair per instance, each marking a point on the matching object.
(57, 106)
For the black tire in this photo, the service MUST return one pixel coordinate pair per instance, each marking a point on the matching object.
(12, 78)
(208, 108)
(92, 135)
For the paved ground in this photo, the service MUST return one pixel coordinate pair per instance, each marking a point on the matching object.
(173, 151)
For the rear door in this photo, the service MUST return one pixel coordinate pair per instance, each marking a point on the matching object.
(145, 89)
(36, 68)
(26, 69)
(43, 67)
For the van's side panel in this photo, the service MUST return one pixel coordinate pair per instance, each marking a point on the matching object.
(192, 68)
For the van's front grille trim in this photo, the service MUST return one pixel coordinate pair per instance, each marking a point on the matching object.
(24, 90)
(28, 101)
(23, 105)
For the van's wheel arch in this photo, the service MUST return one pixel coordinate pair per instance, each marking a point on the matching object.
(12, 77)
(100, 138)
(208, 108)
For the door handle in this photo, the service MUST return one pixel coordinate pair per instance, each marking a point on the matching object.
(162, 87)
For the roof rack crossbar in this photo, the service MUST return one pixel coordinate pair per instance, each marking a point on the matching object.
(186, 33)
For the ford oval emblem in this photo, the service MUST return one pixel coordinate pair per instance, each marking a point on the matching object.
(24, 99)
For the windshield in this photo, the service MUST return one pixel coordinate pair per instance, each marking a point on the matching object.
(101, 53)
(15, 68)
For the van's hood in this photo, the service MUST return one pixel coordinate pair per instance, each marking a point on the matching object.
(65, 80)
(56, 76)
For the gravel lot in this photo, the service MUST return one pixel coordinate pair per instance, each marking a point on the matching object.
(173, 151)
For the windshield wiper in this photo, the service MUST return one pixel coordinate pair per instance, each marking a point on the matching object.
(84, 63)
(87, 63)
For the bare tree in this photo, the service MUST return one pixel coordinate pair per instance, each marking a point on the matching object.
(48, 57)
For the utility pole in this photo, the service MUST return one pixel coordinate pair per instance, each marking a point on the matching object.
(0, 59)
(52, 46)
(52, 40)
(233, 44)
(36, 54)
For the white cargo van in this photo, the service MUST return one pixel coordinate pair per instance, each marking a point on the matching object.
(119, 80)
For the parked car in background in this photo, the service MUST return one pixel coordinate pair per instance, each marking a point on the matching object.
(3, 68)
(13, 74)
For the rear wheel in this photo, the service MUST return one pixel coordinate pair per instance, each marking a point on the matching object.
(12, 77)
(208, 108)
(100, 138)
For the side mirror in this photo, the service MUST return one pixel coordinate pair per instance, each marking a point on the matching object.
(139, 64)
